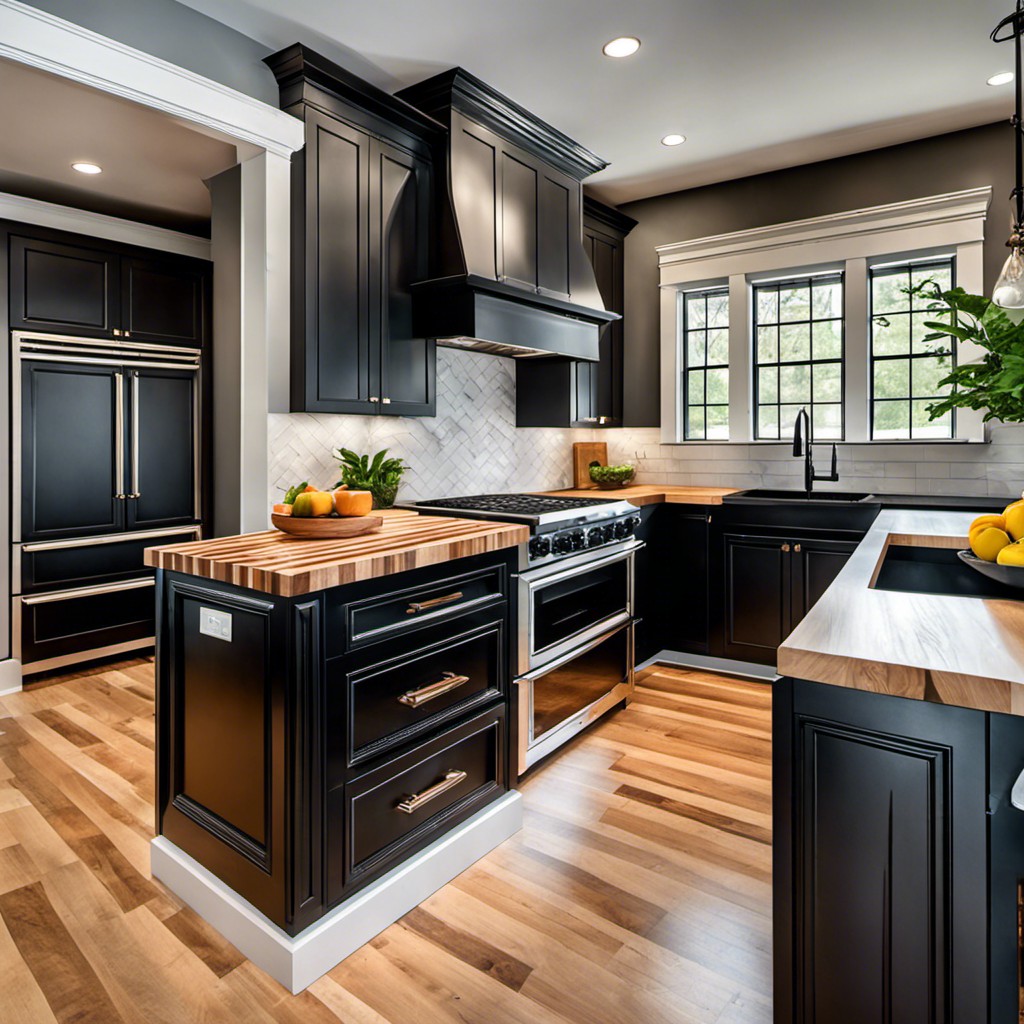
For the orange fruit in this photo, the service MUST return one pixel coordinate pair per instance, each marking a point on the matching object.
(352, 503)
(282, 509)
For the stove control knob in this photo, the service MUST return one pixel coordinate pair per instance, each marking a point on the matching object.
(621, 529)
(577, 540)
(632, 525)
(561, 545)
(540, 547)
(596, 536)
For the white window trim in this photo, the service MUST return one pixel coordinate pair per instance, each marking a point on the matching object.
(954, 222)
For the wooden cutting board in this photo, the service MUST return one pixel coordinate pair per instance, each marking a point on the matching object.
(583, 454)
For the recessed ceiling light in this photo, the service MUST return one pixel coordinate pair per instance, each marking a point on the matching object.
(1002, 78)
(83, 167)
(673, 140)
(623, 46)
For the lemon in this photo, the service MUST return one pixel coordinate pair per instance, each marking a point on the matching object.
(999, 522)
(1012, 554)
(1014, 516)
(985, 543)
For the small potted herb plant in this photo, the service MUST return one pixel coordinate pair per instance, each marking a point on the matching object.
(380, 475)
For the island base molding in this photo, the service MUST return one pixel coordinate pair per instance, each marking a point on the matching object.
(296, 962)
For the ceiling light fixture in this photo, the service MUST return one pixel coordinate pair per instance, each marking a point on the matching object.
(673, 140)
(1003, 78)
(1009, 288)
(84, 167)
(623, 46)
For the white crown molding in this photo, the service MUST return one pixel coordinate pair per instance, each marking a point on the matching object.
(956, 216)
(99, 225)
(41, 40)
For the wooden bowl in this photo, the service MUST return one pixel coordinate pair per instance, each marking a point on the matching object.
(326, 527)
(1010, 575)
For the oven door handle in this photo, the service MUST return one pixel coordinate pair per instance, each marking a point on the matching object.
(550, 666)
(556, 573)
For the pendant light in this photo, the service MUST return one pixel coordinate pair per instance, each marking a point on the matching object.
(1009, 288)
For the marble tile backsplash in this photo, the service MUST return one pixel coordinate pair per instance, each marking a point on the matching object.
(473, 446)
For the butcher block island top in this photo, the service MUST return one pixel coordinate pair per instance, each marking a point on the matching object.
(965, 651)
(275, 563)
(652, 494)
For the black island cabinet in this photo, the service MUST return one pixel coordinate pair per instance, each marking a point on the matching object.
(307, 745)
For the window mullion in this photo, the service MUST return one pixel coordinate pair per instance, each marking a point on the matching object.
(857, 351)
(740, 359)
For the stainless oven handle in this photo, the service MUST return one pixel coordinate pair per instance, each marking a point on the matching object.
(556, 574)
(117, 538)
(572, 655)
(119, 436)
(70, 595)
(135, 437)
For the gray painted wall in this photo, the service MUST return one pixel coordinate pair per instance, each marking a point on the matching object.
(946, 163)
(178, 34)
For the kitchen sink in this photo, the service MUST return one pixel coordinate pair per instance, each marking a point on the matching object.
(918, 570)
(768, 496)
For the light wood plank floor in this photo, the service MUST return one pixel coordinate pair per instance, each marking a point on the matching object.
(638, 891)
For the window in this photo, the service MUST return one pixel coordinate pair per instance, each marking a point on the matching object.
(905, 369)
(798, 355)
(705, 323)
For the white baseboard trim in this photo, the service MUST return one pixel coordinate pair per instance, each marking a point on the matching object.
(297, 962)
(746, 669)
(10, 677)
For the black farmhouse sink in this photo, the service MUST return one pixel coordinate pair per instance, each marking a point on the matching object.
(768, 496)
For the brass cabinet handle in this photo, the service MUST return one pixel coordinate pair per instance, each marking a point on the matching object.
(417, 698)
(796, 548)
(413, 803)
(785, 548)
(434, 602)
(385, 401)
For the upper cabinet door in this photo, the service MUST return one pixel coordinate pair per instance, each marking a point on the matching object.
(72, 449)
(334, 361)
(164, 301)
(400, 209)
(63, 288)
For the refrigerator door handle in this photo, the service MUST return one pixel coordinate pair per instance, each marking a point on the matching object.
(135, 437)
(119, 436)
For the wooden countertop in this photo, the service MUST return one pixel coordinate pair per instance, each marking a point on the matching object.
(965, 651)
(650, 494)
(275, 563)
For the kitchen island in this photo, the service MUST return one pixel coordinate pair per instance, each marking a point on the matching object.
(332, 728)
(898, 737)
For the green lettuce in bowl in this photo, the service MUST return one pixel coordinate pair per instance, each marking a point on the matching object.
(611, 476)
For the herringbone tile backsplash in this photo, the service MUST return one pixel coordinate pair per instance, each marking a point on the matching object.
(472, 446)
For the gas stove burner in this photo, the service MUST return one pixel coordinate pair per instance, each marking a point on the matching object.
(514, 504)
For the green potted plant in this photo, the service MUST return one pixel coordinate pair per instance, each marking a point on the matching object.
(380, 475)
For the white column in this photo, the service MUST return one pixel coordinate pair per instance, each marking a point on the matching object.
(857, 354)
(671, 367)
(740, 360)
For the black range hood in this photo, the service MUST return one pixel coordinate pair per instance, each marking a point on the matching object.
(512, 277)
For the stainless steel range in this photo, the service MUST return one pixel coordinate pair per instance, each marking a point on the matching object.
(574, 655)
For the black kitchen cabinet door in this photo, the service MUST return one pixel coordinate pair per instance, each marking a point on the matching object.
(163, 448)
(816, 564)
(880, 887)
(72, 418)
(757, 616)
(400, 204)
(63, 288)
(164, 301)
(679, 562)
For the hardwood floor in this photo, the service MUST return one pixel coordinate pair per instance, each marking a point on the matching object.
(638, 890)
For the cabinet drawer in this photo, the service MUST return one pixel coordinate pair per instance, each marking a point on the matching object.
(389, 616)
(406, 804)
(48, 565)
(63, 623)
(383, 705)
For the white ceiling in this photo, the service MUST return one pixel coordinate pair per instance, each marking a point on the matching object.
(754, 85)
(153, 167)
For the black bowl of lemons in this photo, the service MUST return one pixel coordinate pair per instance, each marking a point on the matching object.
(997, 545)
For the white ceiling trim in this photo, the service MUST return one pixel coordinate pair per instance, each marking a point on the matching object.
(949, 219)
(34, 37)
(100, 225)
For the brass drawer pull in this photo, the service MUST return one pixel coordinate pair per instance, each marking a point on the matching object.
(417, 698)
(414, 803)
(434, 602)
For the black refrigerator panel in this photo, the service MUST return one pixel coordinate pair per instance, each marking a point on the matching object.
(72, 450)
(163, 449)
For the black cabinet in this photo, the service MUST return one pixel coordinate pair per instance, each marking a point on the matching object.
(565, 392)
(880, 859)
(96, 289)
(361, 236)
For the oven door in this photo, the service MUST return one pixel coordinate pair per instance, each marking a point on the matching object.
(559, 700)
(564, 605)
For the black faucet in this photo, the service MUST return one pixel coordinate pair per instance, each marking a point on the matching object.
(800, 449)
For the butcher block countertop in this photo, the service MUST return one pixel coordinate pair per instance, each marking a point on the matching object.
(275, 563)
(650, 494)
(966, 651)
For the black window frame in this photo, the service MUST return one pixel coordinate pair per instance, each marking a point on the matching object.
(705, 294)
